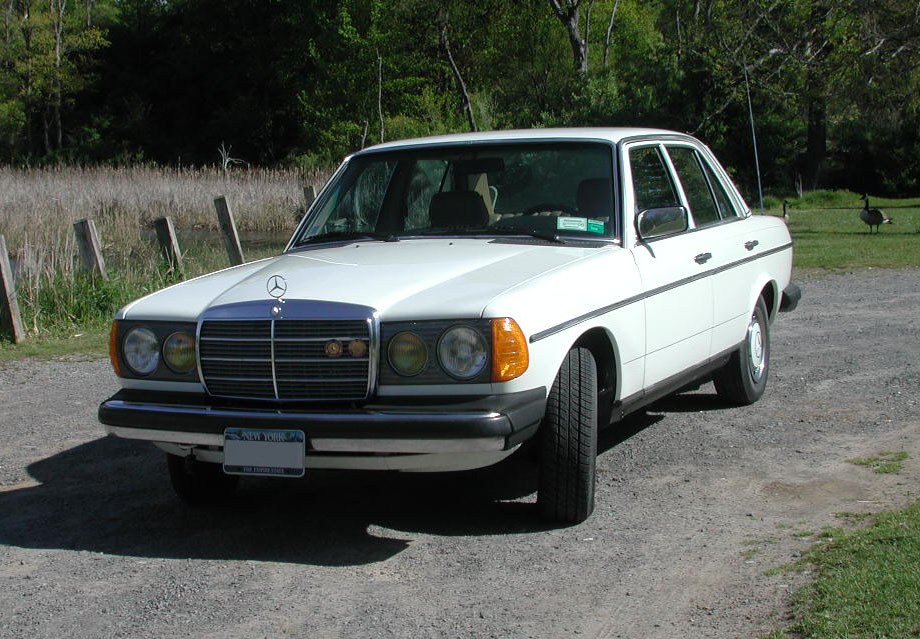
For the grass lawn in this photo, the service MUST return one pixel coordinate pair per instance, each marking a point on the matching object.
(867, 582)
(828, 233)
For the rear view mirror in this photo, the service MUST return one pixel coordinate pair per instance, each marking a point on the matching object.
(652, 223)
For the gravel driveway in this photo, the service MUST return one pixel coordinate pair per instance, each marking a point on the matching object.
(695, 502)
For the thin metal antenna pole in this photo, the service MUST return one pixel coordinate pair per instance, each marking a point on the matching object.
(747, 88)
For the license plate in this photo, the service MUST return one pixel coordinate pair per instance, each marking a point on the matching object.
(268, 453)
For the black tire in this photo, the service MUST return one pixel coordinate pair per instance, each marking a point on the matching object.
(743, 379)
(200, 483)
(568, 441)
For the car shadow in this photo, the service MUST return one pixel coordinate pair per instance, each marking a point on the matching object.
(112, 496)
(690, 403)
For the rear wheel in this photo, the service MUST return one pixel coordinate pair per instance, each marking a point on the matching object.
(743, 379)
(197, 482)
(568, 441)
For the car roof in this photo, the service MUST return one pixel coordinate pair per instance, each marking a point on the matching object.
(608, 134)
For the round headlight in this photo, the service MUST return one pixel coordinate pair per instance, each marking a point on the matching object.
(179, 352)
(141, 351)
(462, 352)
(407, 354)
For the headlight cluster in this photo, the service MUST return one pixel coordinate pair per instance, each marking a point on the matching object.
(463, 352)
(438, 352)
(163, 350)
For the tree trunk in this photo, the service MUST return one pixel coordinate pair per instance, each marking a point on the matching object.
(816, 92)
(461, 85)
(59, 10)
(613, 14)
(380, 92)
(816, 150)
(568, 16)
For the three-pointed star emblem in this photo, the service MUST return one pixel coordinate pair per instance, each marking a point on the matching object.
(276, 286)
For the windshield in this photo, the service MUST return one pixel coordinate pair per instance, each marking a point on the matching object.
(550, 191)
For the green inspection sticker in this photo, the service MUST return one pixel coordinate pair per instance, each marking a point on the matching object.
(595, 226)
(572, 223)
(579, 224)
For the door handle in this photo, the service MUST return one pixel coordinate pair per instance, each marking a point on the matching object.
(750, 244)
(702, 258)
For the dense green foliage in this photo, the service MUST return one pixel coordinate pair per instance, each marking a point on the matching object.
(834, 86)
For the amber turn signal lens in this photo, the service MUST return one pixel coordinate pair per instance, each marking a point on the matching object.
(510, 357)
(113, 349)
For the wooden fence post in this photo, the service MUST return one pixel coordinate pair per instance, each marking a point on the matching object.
(309, 194)
(88, 241)
(169, 243)
(9, 307)
(228, 231)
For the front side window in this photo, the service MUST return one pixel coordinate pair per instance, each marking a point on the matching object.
(558, 190)
(652, 184)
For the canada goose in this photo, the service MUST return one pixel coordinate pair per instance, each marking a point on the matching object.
(873, 217)
(785, 212)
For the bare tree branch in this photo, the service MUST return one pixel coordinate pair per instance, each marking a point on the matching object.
(613, 14)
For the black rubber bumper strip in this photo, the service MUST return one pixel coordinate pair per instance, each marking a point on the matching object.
(506, 416)
(791, 296)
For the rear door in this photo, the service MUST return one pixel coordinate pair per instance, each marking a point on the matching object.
(678, 301)
(729, 238)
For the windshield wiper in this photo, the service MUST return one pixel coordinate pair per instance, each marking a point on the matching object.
(497, 230)
(344, 236)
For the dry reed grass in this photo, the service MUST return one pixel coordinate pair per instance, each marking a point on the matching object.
(39, 206)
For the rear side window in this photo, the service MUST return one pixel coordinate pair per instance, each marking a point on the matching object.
(651, 180)
(709, 203)
(703, 206)
(726, 210)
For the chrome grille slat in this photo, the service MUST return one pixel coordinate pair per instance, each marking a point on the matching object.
(283, 359)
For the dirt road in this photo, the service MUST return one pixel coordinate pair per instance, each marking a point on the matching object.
(695, 502)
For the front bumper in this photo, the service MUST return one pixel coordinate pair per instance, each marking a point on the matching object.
(426, 425)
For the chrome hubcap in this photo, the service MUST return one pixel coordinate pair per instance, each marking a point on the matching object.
(755, 349)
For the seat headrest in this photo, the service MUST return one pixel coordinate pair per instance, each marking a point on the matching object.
(457, 209)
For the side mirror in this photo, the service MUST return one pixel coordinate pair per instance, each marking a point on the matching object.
(652, 223)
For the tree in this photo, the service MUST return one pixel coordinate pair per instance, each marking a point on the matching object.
(44, 65)
(567, 12)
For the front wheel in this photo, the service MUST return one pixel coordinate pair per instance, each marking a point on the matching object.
(568, 441)
(743, 379)
(199, 483)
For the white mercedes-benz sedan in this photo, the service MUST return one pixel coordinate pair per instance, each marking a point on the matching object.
(446, 300)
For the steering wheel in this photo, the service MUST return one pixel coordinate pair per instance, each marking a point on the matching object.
(551, 206)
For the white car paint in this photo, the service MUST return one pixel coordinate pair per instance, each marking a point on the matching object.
(557, 293)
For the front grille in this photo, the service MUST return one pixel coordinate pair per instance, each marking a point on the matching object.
(284, 359)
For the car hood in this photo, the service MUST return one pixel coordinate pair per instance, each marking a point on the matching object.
(409, 279)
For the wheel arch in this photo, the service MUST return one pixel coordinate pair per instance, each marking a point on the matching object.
(603, 347)
(770, 294)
